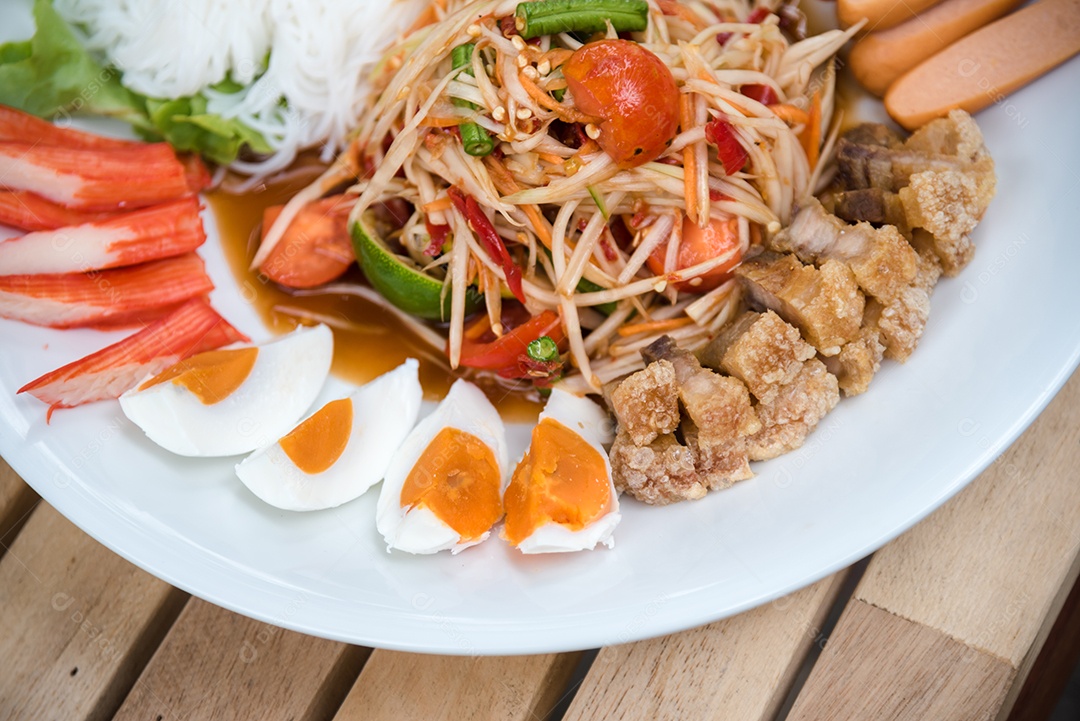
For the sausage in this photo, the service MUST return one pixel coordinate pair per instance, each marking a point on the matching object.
(881, 57)
(987, 64)
(879, 14)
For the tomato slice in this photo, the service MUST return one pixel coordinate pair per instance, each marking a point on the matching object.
(697, 246)
(632, 91)
(316, 247)
(503, 354)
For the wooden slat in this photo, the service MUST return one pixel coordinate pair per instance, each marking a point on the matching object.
(215, 664)
(16, 500)
(739, 668)
(395, 686)
(78, 623)
(988, 571)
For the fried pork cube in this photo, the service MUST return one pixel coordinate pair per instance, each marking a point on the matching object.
(881, 259)
(942, 176)
(719, 405)
(794, 412)
(658, 473)
(824, 303)
(718, 467)
(761, 350)
(945, 205)
(646, 404)
(858, 361)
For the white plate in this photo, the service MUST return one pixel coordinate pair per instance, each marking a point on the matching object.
(1002, 338)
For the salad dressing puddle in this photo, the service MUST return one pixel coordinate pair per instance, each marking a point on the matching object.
(368, 340)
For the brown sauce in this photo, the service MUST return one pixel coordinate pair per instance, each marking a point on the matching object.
(368, 340)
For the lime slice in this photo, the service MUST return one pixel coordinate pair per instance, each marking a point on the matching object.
(398, 279)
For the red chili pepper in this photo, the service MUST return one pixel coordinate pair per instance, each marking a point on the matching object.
(720, 133)
(761, 93)
(438, 233)
(759, 14)
(503, 354)
(467, 206)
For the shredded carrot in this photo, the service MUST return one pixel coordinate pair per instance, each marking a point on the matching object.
(439, 204)
(790, 114)
(653, 326)
(565, 112)
(480, 326)
(505, 183)
(686, 119)
(810, 137)
(431, 121)
(551, 158)
(677, 9)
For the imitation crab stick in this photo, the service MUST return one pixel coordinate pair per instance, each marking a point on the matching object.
(108, 297)
(29, 211)
(161, 231)
(21, 127)
(95, 179)
(193, 328)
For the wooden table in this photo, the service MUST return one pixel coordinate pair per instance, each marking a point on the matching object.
(944, 623)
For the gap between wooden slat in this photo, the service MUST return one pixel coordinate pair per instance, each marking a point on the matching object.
(17, 499)
(847, 590)
(738, 668)
(214, 664)
(77, 623)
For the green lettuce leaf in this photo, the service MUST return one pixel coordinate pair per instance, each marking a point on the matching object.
(52, 74)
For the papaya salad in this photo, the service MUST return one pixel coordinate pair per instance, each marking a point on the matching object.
(543, 189)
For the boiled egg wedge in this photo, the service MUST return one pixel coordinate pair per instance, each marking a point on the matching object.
(561, 496)
(234, 400)
(443, 489)
(342, 449)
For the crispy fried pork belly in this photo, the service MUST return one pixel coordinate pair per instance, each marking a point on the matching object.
(946, 206)
(942, 176)
(794, 412)
(761, 350)
(646, 404)
(717, 468)
(881, 259)
(659, 472)
(719, 405)
(824, 303)
(857, 362)
(873, 205)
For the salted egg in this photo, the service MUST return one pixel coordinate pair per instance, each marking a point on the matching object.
(342, 449)
(561, 496)
(234, 400)
(443, 489)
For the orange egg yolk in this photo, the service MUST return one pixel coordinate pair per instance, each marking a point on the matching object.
(212, 376)
(318, 442)
(561, 478)
(457, 479)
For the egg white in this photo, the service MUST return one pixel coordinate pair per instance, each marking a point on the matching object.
(384, 411)
(594, 426)
(285, 379)
(418, 530)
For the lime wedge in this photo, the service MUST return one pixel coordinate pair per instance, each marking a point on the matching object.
(398, 279)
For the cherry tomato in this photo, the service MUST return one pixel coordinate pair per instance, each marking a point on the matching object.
(502, 353)
(764, 94)
(634, 94)
(316, 247)
(697, 246)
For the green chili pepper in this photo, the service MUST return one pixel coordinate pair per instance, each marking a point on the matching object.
(474, 138)
(543, 349)
(548, 17)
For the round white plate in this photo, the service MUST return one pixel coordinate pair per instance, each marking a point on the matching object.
(1001, 340)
